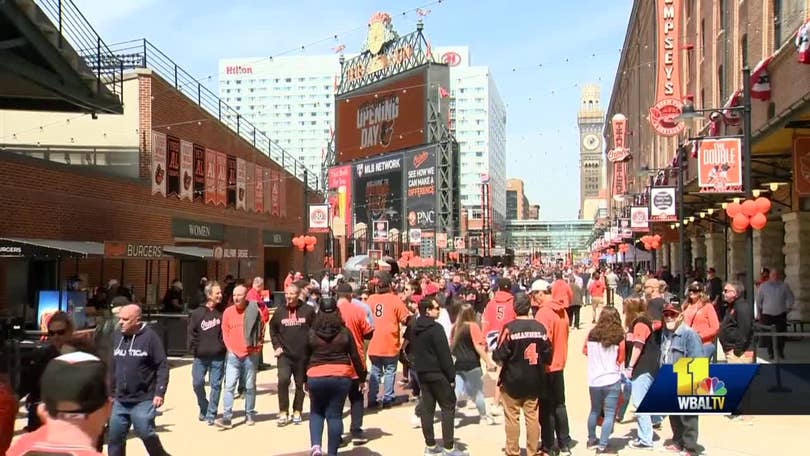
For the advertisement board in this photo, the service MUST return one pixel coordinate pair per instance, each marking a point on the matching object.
(377, 191)
(384, 117)
(420, 187)
(339, 189)
(318, 218)
(638, 219)
(720, 165)
(662, 204)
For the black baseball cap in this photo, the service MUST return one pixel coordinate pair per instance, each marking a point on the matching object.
(74, 383)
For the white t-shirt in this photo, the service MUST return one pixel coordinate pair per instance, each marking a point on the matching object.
(444, 320)
(603, 365)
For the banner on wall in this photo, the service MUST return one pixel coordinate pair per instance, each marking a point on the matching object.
(377, 190)
(420, 187)
(186, 170)
(720, 165)
(258, 189)
(250, 186)
(211, 177)
(172, 166)
(274, 193)
(282, 193)
(222, 179)
(239, 184)
(199, 173)
(158, 171)
(231, 192)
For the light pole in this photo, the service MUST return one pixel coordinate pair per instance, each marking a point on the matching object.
(690, 112)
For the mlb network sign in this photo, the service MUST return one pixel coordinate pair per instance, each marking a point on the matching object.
(692, 386)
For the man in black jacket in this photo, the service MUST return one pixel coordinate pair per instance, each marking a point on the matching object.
(208, 348)
(523, 351)
(289, 333)
(433, 363)
(737, 327)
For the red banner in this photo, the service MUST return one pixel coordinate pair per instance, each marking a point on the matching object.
(668, 104)
(173, 166)
(619, 178)
(282, 193)
(199, 173)
(211, 181)
(222, 179)
(239, 182)
(267, 183)
(186, 170)
(258, 189)
(250, 187)
(801, 165)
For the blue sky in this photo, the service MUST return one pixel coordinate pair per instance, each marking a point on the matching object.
(576, 42)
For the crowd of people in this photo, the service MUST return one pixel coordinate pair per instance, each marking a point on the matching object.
(338, 340)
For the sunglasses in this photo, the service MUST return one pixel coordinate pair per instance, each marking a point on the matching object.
(57, 332)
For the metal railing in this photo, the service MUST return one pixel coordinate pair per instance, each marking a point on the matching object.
(143, 54)
(76, 31)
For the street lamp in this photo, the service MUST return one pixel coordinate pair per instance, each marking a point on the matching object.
(689, 112)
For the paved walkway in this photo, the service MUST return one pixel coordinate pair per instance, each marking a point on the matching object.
(391, 434)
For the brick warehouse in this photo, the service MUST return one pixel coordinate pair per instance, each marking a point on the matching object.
(51, 191)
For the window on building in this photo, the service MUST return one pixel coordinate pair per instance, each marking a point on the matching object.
(721, 14)
(744, 50)
(702, 37)
(777, 24)
(721, 84)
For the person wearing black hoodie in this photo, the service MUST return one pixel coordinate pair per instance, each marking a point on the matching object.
(433, 363)
(208, 348)
(289, 333)
(333, 362)
(139, 378)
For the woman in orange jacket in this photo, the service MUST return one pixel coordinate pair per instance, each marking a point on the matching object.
(700, 315)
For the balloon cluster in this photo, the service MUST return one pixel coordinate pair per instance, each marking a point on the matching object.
(305, 243)
(453, 256)
(651, 242)
(623, 248)
(749, 212)
(406, 255)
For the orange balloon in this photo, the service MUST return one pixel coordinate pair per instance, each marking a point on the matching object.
(740, 222)
(657, 238)
(655, 245)
(763, 205)
(310, 247)
(758, 221)
(737, 230)
(733, 209)
(749, 208)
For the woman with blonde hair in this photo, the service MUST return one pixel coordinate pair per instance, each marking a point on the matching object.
(700, 315)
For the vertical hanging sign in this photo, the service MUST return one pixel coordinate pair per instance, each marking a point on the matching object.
(173, 166)
(668, 104)
(274, 192)
(158, 171)
(211, 173)
(282, 193)
(186, 170)
(222, 179)
(250, 187)
(240, 183)
(199, 172)
(267, 183)
(258, 180)
(619, 154)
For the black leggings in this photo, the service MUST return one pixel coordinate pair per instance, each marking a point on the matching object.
(573, 316)
(290, 368)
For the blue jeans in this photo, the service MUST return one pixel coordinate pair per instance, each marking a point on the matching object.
(327, 396)
(385, 367)
(472, 383)
(236, 367)
(215, 368)
(603, 398)
(640, 387)
(139, 415)
(627, 389)
(710, 351)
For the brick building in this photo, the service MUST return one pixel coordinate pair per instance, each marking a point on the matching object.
(717, 40)
(71, 182)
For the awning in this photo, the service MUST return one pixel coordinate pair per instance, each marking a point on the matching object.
(72, 248)
(188, 251)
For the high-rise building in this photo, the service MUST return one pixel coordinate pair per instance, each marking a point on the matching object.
(534, 212)
(517, 204)
(478, 120)
(291, 99)
(590, 119)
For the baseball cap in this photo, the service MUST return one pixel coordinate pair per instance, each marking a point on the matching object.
(695, 287)
(673, 308)
(327, 305)
(74, 383)
(539, 285)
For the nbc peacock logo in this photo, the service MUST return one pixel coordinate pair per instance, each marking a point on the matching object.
(697, 390)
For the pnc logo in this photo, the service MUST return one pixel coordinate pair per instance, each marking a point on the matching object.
(451, 58)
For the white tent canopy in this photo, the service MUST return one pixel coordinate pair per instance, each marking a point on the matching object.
(632, 255)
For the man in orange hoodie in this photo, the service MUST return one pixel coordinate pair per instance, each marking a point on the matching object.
(561, 291)
(553, 415)
(498, 312)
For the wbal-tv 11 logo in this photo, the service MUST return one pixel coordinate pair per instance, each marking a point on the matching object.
(692, 386)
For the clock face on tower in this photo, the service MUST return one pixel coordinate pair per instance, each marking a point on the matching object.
(590, 141)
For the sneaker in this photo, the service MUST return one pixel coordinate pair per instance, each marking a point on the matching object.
(672, 448)
(249, 421)
(416, 422)
(223, 423)
(605, 450)
(359, 439)
(433, 451)
(296, 418)
(454, 452)
(282, 420)
(637, 444)
(489, 420)
(201, 417)
(565, 451)
(592, 444)
(315, 451)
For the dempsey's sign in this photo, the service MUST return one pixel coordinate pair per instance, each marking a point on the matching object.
(668, 105)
